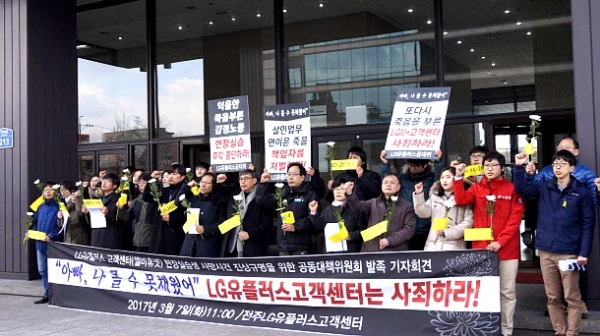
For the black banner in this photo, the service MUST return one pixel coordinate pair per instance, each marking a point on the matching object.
(400, 293)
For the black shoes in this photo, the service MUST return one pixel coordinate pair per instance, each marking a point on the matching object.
(44, 299)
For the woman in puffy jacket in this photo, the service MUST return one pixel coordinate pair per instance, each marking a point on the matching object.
(440, 205)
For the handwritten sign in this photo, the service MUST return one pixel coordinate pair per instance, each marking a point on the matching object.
(287, 138)
(288, 217)
(348, 164)
(529, 148)
(36, 204)
(439, 223)
(473, 170)
(417, 123)
(168, 208)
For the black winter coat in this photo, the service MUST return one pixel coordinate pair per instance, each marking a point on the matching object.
(209, 243)
(297, 202)
(112, 235)
(353, 221)
(366, 187)
(171, 232)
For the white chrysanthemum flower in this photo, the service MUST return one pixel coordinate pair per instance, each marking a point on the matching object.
(278, 185)
(152, 180)
(336, 203)
(535, 117)
(331, 143)
(29, 213)
(124, 178)
(394, 198)
(126, 171)
(187, 170)
(36, 182)
(182, 197)
(491, 198)
(78, 183)
(237, 197)
(56, 186)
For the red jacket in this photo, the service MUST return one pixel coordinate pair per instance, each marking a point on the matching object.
(508, 212)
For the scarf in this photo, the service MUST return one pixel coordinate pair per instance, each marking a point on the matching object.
(234, 241)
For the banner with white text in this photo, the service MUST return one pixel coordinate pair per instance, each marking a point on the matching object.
(417, 123)
(400, 293)
(229, 128)
(287, 138)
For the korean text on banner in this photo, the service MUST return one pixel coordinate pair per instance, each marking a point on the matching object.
(417, 123)
(335, 293)
(287, 138)
(229, 125)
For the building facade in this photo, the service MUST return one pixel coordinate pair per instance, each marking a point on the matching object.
(131, 79)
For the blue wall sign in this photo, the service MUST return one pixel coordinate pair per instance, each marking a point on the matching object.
(6, 138)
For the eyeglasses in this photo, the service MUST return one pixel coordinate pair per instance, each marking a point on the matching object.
(491, 166)
(293, 174)
(560, 164)
(477, 156)
(245, 178)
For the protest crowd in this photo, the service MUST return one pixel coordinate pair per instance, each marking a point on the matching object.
(424, 205)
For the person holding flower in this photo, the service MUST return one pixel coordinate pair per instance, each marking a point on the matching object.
(339, 211)
(145, 218)
(367, 182)
(207, 240)
(441, 205)
(565, 230)
(498, 207)
(294, 238)
(78, 230)
(398, 212)
(44, 220)
(251, 238)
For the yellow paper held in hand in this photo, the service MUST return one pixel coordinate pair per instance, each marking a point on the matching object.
(528, 148)
(338, 237)
(473, 170)
(348, 164)
(439, 223)
(93, 203)
(195, 190)
(374, 231)
(36, 235)
(191, 220)
(230, 224)
(480, 234)
(123, 199)
(288, 217)
(36, 204)
(168, 208)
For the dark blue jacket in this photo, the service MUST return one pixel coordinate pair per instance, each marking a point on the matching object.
(582, 173)
(211, 215)
(566, 218)
(45, 220)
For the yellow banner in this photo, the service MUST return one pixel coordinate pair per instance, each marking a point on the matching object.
(36, 204)
(122, 199)
(93, 203)
(439, 223)
(338, 237)
(528, 148)
(481, 234)
(36, 235)
(168, 208)
(191, 220)
(195, 190)
(288, 217)
(473, 170)
(230, 224)
(374, 231)
(348, 164)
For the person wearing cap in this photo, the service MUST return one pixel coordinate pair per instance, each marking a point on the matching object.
(414, 172)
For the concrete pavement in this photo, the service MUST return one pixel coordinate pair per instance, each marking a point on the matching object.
(20, 316)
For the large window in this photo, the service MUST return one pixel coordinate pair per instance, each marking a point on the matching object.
(111, 70)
